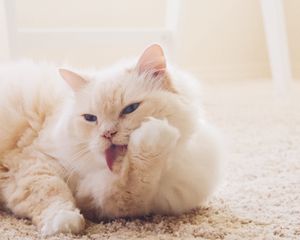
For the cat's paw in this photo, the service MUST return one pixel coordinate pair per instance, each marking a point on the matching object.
(64, 221)
(155, 135)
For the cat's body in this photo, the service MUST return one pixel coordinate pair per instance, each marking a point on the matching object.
(123, 143)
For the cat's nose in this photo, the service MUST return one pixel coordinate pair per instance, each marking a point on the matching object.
(108, 134)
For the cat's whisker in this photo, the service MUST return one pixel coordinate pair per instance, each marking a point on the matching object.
(72, 169)
(74, 157)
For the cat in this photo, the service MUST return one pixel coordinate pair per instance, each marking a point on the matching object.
(129, 140)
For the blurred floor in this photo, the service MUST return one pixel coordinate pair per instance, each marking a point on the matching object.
(259, 197)
(262, 131)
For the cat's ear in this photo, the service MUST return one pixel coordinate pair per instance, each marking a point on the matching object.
(152, 61)
(75, 81)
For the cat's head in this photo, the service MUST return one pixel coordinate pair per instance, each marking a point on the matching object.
(109, 107)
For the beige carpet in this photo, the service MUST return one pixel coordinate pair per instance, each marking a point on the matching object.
(260, 195)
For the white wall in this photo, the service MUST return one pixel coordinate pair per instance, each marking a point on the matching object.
(90, 13)
(216, 39)
(4, 47)
(224, 39)
(88, 48)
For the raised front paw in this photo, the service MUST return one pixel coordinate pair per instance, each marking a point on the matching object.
(63, 221)
(155, 136)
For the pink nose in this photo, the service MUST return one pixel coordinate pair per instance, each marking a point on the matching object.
(108, 134)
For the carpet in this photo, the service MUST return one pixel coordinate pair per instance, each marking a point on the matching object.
(259, 197)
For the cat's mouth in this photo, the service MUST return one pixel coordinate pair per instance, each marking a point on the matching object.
(113, 152)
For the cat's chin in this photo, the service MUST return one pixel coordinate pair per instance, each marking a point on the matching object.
(114, 152)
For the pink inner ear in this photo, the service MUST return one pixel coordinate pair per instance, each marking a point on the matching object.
(75, 81)
(152, 60)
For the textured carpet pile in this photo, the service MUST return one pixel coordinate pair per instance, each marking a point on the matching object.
(259, 197)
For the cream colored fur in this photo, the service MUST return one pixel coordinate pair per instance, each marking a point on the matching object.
(53, 162)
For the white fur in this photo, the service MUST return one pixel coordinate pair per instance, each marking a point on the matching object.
(186, 148)
(155, 132)
(63, 221)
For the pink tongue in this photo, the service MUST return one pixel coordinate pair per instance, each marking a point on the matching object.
(112, 153)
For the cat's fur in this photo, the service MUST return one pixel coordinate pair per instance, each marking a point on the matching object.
(53, 162)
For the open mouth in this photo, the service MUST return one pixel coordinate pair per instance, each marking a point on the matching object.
(113, 152)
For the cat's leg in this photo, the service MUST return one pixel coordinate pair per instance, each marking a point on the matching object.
(148, 151)
(193, 173)
(34, 188)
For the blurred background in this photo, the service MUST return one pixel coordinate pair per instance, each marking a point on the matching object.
(214, 39)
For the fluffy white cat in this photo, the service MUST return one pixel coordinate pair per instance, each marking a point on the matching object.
(127, 141)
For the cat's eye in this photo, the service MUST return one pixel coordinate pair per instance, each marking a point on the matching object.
(130, 108)
(89, 117)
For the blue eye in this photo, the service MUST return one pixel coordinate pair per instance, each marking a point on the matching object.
(90, 117)
(130, 108)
